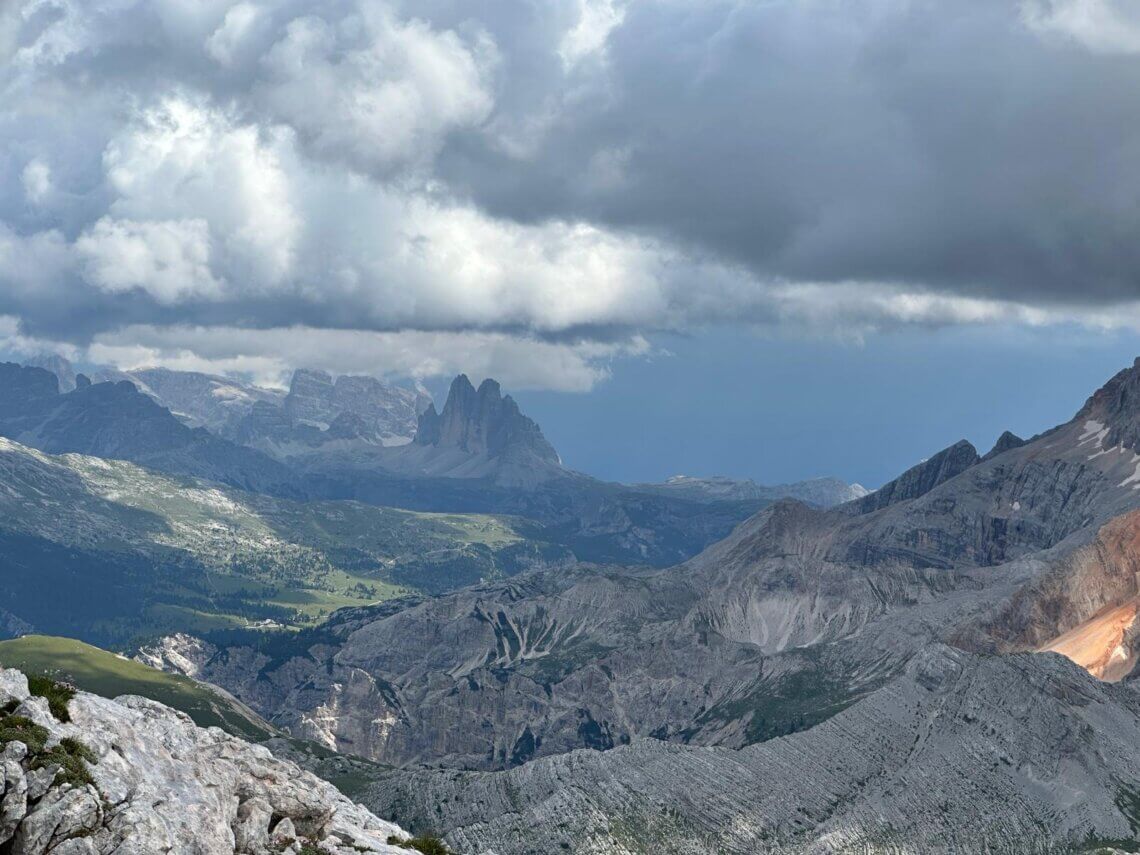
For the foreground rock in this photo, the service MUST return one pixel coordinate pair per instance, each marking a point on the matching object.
(139, 777)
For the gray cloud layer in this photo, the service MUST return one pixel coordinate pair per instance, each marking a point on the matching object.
(978, 147)
(560, 175)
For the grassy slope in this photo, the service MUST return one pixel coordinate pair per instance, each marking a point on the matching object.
(102, 673)
(111, 552)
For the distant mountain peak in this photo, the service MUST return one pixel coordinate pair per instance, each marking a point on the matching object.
(483, 422)
(921, 479)
(1006, 442)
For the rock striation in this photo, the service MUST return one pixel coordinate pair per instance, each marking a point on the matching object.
(139, 778)
(321, 412)
(310, 398)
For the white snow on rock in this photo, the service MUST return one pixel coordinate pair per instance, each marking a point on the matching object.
(1094, 430)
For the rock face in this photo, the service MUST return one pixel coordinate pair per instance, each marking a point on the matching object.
(57, 365)
(310, 398)
(921, 479)
(491, 676)
(158, 783)
(1116, 408)
(484, 423)
(479, 436)
(318, 412)
(1006, 442)
(203, 400)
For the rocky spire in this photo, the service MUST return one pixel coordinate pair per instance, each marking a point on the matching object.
(482, 421)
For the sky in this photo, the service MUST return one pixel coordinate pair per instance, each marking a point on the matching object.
(770, 238)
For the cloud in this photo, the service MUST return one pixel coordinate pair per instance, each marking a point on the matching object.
(949, 147)
(268, 356)
(512, 187)
(183, 159)
(371, 90)
(596, 20)
(1103, 26)
(225, 43)
(169, 259)
(36, 178)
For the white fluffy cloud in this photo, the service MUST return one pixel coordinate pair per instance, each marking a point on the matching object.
(169, 259)
(372, 90)
(181, 159)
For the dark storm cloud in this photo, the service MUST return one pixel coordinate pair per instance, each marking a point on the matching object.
(964, 146)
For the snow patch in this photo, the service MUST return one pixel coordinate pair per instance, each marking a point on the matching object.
(1094, 430)
(1134, 478)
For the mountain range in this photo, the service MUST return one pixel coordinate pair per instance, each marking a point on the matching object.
(852, 679)
(479, 455)
(494, 646)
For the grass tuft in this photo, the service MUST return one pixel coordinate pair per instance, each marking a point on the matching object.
(58, 695)
(426, 843)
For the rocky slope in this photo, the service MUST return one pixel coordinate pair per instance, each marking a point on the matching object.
(921, 479)
(57, 365)
(132, 776)
(319, 412)
(492, 676)
(485, 423)
(480, 435)
(1021, 754)
(348, 461)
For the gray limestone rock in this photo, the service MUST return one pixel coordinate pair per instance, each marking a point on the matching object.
(161, 784)
(14, 801)
(62, 814)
